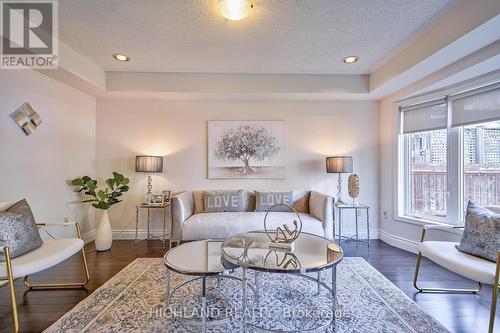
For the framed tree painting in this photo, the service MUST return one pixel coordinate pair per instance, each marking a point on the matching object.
(246, 149)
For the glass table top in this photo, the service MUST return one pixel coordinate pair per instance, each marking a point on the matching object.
(311, 253)
(197, 258)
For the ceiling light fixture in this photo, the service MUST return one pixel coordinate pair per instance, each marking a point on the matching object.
(351, 59)
(120, 57)
(235, 9)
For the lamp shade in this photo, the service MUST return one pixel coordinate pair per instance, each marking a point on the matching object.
(150, 164)
(339, 164)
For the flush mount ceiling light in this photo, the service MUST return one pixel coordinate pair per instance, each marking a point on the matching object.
(235, 9)
(120, 57)
(351, 59)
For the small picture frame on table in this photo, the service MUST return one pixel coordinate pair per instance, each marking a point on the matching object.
(156, 199)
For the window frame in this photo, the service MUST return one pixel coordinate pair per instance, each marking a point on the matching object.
(408, 184)
(455, 157)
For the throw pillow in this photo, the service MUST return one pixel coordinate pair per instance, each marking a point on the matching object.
(18, 230)
(265, 200)
(481, 236)
(199, 203)
(223, 201)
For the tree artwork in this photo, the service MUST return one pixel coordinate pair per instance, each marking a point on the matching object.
(246, 143)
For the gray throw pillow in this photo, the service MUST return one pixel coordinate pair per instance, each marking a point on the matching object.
(223, 201)
(18, 230)
(481, 236)
(265, 200)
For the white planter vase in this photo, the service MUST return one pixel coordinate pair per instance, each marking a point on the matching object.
(103, 234)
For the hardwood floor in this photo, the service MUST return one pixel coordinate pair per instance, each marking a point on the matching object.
(38, 309)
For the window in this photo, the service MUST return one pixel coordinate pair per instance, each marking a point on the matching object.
(450, 154)
(481, 151)
(427, 173)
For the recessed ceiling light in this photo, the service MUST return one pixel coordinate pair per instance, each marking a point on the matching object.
(351, 59)
(120, 57)
(235, 9)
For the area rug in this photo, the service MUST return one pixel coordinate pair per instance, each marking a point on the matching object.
(134, 301)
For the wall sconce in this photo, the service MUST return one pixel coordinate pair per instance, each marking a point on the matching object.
(26, 118)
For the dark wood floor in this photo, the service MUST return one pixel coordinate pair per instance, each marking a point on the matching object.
(39, 309)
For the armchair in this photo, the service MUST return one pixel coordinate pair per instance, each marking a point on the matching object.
(51, 253)
(474, 268)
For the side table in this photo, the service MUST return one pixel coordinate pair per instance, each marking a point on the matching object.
(166, 210)
(355, 207)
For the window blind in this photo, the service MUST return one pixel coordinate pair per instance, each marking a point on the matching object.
(425, 116)
(476, 106)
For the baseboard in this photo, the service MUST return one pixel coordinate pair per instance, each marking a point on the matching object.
(141, 234)
(89, 236)
(362, 234)
(399, 242)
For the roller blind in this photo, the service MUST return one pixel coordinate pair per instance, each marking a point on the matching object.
(476, 106)
(425, 116)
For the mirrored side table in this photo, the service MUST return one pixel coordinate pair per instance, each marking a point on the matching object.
(356, 207)
(165, 219)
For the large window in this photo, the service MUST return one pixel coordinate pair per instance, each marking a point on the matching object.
(450, 154)
(427, 173)
(481, 151)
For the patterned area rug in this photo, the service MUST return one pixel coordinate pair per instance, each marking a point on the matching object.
(133, 301)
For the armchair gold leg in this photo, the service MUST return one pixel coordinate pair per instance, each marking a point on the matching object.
(494, 295)
(415, 278)
(62, 285)
(12, 292)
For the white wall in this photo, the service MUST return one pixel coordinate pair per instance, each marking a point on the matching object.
(37, 167)
(178, 130)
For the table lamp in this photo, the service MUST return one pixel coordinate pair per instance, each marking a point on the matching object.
(149, 164)
(339, 164)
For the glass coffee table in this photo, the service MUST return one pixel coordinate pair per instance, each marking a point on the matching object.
(311, 254)
(201, 260)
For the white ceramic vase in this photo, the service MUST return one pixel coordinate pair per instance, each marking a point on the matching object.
(103, 234)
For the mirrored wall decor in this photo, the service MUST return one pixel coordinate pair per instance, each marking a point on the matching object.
(26, 118)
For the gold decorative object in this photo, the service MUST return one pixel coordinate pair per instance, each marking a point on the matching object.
(353, 186)
(289, 259)
(284, 236)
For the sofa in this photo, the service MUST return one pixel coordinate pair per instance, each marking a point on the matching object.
(191, 222)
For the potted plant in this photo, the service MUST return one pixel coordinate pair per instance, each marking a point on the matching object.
(103, 199)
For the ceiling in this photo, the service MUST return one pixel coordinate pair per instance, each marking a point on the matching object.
(279, 36)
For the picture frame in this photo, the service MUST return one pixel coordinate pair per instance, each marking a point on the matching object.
(241, 149)
(156, 199)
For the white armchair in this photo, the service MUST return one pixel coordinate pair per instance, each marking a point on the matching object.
(51, 253)
(474, 268)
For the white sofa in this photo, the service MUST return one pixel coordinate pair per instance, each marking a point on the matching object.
(190, 222)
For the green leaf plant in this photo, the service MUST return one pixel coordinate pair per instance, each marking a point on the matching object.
(102, 199)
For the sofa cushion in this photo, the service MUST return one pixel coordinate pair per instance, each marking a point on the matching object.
(199, 204)
(300, 201)
(446, 255)
(18, 230)
(223, 201)
(265, 200)
(481, 236)
(223, 225)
